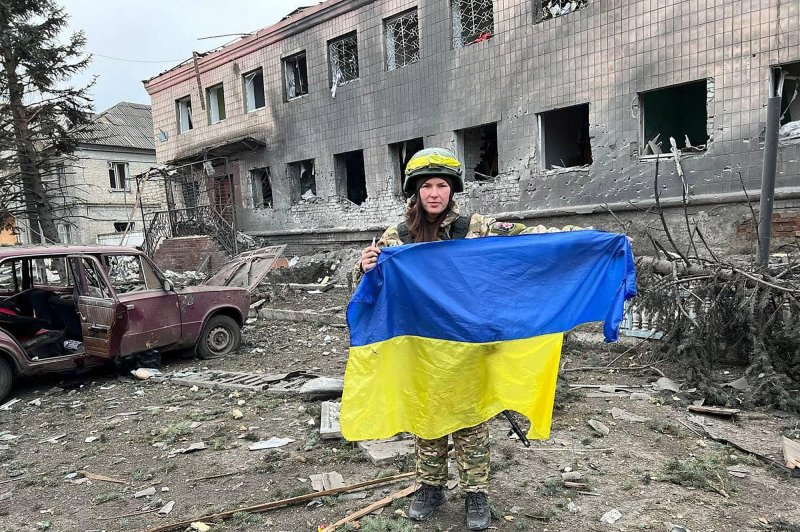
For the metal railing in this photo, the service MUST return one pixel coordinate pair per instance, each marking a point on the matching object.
(195, 221)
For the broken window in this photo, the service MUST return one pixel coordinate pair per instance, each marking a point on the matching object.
(118, 176)
(262, 188)
(122, 227)
(787, 79)
(564, 137)
(254, 90)
(402, 40)
(216, 103)
(679, 112)
(473, 21)
(547, 9)
(343, 60)
(351, 179)
(304, 181)
(400, 153)
(184, 110)
(477, 147)
(296, 74)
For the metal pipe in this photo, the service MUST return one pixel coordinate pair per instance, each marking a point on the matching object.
(768, 171)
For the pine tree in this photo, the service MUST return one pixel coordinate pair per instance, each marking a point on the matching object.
(39, 110)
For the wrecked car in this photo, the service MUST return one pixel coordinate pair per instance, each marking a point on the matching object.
(71, 307)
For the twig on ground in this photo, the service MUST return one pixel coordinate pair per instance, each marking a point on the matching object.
(371, 508)
(260, 508)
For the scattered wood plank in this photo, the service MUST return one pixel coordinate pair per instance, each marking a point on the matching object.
(371, 508)
(576, 485)
(228, 474)
(261, 508)
(102, 478)
(714, 410)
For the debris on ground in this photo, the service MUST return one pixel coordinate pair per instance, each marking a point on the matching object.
(271, 443)
(381, 452)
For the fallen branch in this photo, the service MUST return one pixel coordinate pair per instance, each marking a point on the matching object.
(371, 508)
(228, 474)
(260, 508)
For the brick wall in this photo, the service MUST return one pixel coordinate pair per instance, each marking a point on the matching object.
(187, 253)
(785, 225)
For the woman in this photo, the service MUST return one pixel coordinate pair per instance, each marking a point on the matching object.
(432, 177)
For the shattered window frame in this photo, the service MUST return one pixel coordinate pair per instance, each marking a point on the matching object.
(215, 99)
(303, 178)
(251, 95)
(473, 21)
(343, 59)
(183, 109)
(260, 184)
(550, 9)
(295, 75)
(401, 34)
(118, 176)
(660, 140)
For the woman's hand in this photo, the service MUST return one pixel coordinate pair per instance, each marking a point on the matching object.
(369, 256)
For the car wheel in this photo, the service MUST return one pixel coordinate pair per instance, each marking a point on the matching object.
(221, 335)
(6, 378)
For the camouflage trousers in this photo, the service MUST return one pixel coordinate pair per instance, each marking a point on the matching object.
(472, 456)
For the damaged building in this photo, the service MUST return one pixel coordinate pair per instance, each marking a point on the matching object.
(560, 111)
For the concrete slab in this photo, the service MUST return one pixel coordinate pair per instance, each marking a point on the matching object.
(382, 452)
(329, 428)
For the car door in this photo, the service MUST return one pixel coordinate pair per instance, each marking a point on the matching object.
(154, 317)
(103, 318)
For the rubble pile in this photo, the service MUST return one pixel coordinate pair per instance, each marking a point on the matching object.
(335, 265)
(187, 278)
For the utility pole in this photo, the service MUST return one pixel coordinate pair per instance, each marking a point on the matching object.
(770, 165)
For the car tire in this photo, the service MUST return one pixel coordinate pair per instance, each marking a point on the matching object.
(6, 378)
(221, 336)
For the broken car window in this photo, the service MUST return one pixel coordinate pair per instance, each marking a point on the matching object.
(125, 273)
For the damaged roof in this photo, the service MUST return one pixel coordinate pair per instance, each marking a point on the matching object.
(297, 21)
(125, 125)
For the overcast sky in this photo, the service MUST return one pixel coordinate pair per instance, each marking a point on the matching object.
(154, 35)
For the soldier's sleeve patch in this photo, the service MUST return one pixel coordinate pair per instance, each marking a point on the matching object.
(506, 228)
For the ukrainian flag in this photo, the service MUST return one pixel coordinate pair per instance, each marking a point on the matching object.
(446, 335)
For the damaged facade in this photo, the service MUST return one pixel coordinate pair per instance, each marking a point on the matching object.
(557, 108)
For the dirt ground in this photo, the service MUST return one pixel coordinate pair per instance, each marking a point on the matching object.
(133, 426)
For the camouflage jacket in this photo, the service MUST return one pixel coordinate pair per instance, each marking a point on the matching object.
(479, 225)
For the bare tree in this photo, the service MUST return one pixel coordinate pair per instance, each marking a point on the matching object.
(39, 111)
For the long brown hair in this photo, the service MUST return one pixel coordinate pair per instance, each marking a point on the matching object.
(422, 229)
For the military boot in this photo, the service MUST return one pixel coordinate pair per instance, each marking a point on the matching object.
(426, 499)
(478, 515)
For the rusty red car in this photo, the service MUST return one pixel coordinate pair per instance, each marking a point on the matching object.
(70, 307)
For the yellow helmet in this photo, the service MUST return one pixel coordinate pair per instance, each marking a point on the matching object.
(433, 162)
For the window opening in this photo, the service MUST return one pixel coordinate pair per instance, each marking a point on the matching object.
(304, 182)
(564, 137)
(547, 9)
(343, 60)
(473, 21)
(262, 187)
(789, 76)
(477, 147)
(65, 233)
(660, 120)
(122, 227)
(295, 72)
(400, 153)
(402, 40)
(125, 273)
(254, 90)
(118, 176)
(351, 179)
(216, 103)
(184, 109)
